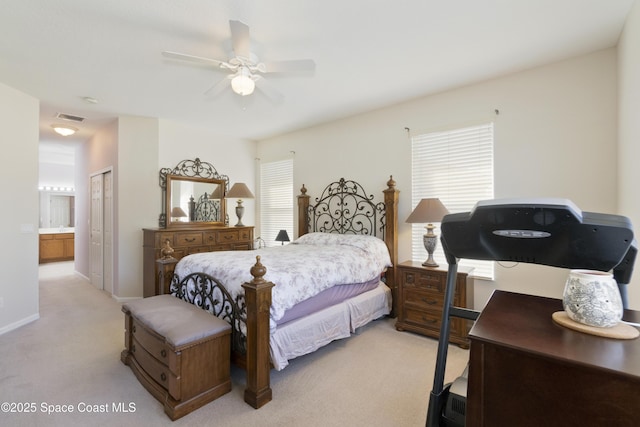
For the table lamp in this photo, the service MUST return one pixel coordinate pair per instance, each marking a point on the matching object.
(239, 191)
(428, 211)
(282, 236)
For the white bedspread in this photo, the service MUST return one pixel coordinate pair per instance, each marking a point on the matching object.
(300, 270)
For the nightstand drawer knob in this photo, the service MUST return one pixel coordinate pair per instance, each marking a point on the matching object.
(429, 301)
(133, 329)
(163, 353)
(133, 348)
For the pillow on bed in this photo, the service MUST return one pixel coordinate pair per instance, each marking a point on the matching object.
(370, 244)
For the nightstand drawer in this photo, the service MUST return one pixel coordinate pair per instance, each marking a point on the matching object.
(425, 319)
(424, 279)
(423, 300)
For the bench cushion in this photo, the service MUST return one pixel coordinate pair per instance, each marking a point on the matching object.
(178, 321)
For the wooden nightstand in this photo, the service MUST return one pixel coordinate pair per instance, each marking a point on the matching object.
(420, 299)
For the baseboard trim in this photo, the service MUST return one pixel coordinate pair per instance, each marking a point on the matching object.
(19, 323)
(122, 300)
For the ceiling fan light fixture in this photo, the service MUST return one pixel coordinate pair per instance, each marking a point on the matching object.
(242, 83)
(64, 130)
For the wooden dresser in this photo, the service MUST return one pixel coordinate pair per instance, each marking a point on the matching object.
(187, 241)
(421, 296)
(526, 370)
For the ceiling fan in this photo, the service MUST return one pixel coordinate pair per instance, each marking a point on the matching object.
(244, 68)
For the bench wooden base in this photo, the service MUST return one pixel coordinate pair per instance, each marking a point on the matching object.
(182, 377)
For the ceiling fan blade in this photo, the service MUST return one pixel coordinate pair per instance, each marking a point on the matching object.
(218, 87)
(268, 90)
(293, 66)
(176, 55)
(240, 39)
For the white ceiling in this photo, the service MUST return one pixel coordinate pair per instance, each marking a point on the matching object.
(368, 54)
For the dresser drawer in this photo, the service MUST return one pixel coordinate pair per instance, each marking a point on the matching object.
(228, 236)
(209, 237)
(424, 279)
(156, 370)
(246, 234)
(198, 249)
(187, 239)
(155, 345)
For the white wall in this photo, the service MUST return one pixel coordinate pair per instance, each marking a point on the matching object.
(555, 136)
(135, 205)
(19, 114)
(629, 134)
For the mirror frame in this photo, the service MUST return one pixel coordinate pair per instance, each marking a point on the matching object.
(195, 171)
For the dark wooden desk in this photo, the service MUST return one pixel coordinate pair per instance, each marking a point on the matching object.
(526, 370)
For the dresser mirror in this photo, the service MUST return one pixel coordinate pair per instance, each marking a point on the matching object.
(193, 195)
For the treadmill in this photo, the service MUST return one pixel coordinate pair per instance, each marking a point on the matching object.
(552, 232)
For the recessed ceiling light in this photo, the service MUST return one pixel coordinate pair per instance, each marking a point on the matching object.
(64, 130)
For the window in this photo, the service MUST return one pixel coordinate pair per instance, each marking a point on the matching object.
(457, 167)
(276, 200)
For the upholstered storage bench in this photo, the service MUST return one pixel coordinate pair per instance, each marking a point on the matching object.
(179, 352)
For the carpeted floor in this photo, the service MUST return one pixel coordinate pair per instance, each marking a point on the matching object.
(68, 363)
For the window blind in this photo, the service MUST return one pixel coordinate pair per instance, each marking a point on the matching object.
(276, 200)
(457, 167)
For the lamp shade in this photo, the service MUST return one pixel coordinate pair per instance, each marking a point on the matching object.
(178, 212)
(239, 190)
(217, 193)
(282, 236)
(427, 211)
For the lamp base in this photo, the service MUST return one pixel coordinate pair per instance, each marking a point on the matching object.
(239, 213)
(430, 263)
(430, 240)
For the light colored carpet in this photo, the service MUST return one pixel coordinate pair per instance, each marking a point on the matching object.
(71, 356)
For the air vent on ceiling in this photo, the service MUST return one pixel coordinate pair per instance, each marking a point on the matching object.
(70, 118)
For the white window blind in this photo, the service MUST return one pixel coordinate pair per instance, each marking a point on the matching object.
(276, 200)
(457, 167)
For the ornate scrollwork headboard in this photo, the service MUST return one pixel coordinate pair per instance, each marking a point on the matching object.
(344, 207)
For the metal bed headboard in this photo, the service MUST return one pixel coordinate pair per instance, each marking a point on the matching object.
(345, 208)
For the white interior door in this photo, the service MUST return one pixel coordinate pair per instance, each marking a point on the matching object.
(96, 225)
(107, 234)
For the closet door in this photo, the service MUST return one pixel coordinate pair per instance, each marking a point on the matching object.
(97, 219)
(107, 232)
